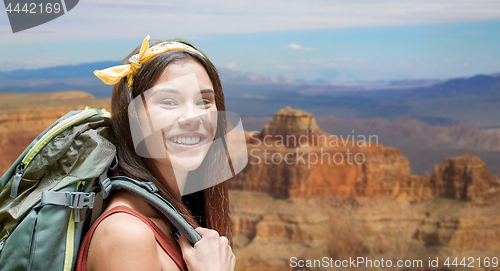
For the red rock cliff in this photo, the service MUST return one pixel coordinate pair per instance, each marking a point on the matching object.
(289, 158)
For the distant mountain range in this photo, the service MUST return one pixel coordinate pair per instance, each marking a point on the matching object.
(80, 77)
(473, 86)
(84, 70)
(72, 73)
(474, 101)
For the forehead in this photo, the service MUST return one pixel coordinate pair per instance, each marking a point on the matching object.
(182, 68)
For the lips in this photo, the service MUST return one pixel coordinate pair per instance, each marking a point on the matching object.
(187, 141)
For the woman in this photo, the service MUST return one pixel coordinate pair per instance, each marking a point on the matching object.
(131, 234)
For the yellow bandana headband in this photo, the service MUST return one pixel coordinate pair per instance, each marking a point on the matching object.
(112, 75)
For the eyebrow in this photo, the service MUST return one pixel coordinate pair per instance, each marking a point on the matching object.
(208, 90)
(175, 91)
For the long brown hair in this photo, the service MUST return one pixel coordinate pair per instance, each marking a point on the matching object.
(209, 207)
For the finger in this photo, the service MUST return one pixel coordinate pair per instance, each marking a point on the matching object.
(233, 261)
(224, 240)
(229, 254)
(184, 244)
(207, 233)
(202, 230)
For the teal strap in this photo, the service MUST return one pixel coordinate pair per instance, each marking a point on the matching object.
(149, 186)
(97, 210)
(148, 192)
(99, 197)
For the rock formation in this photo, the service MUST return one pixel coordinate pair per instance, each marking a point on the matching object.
(289, 121)
(374, 209)
(464, 178)
(287, 159)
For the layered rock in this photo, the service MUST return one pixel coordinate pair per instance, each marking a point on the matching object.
(374, 209)
(300, 172)
(292, 157)
(461, 233)
(465, 178)
(288, 159)
(268, 231)
(292, 122)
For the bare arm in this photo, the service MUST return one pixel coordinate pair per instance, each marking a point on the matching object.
(123, 242)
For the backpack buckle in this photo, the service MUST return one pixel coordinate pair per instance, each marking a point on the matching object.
(105, 183)
(74, 200)
(80, 200)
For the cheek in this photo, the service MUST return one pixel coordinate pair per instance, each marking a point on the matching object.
(211, 125)
(161, 118)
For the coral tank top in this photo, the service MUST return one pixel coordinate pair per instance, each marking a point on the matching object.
(161, 238)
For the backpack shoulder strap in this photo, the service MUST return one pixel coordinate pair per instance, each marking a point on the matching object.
(149, 192)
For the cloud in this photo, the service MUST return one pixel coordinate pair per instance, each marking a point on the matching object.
(118, 19)
(231, 66)
(295, 46)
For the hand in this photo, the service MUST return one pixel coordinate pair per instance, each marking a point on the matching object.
(212, 252)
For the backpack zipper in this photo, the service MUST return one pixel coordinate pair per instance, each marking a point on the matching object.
(17, 179)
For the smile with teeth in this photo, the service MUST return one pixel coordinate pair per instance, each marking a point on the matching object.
(186, 140)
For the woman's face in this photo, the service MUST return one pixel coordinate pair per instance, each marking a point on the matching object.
(182, 104)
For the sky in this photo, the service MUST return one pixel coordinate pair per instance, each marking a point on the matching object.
(339, 40)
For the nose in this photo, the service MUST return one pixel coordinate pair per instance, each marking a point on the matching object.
(190, 117)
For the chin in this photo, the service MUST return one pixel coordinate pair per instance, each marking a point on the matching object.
(186, 162)
(186, 167)
(181, 164)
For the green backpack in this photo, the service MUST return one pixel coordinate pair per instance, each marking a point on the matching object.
(57, 188)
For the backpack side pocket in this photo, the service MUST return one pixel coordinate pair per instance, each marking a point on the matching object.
(17, 248)
(50, 241)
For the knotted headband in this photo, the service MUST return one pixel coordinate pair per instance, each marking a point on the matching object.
(112, 75)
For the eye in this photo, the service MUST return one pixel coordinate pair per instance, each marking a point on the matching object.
(168, 102)
(204, 102)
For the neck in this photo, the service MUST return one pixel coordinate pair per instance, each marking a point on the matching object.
(175, 179)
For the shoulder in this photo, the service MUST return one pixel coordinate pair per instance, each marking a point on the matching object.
(123, 242)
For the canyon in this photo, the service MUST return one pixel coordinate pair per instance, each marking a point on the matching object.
(360, 200)
(375, 209)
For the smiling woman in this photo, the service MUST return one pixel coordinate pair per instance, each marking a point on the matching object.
(176, 105)
(166, 106)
